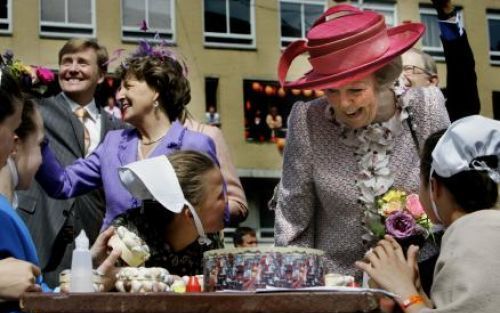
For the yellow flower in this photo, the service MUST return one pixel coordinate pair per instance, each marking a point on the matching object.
(388, 208)
(394, 195)
(17, 67)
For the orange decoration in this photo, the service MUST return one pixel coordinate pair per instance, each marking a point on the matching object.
(270, 90)
(307, 92)
(295, 92)
(281, 92)
(256, 87)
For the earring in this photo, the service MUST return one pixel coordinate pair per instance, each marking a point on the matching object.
(156, 104)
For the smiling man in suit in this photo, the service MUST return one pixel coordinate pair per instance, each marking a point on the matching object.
(74, 125)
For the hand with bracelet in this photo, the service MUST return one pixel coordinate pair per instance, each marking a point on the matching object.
(392, 271)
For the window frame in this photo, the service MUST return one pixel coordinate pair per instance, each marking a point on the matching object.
(251, 36)
(493, 14)
(381, 6)
(285, 41)
(7, 21)
(437, 53)
(151, 33)
(66, 25)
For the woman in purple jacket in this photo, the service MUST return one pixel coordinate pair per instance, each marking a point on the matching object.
(153, 95)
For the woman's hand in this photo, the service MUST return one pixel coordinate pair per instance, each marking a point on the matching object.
(17, 277)
(388, 267)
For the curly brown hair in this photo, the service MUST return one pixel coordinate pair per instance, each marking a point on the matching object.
(166, 76)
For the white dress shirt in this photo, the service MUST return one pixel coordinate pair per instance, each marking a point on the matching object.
(92, 123)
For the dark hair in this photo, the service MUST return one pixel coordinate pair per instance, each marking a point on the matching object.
(10, 94)
(27, 125)
(78, 44)
(166, 76)
(240, 232)
(473, 190)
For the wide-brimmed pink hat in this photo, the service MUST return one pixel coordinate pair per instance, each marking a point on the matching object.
(346, 44)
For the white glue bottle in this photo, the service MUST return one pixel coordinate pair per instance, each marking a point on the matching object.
(81, 266)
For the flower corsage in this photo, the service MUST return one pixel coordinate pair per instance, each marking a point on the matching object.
(401, 216)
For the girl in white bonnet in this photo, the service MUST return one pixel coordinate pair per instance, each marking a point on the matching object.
(459, 189)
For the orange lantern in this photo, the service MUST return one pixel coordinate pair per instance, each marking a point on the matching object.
(295, 92)
(307, 92)
(281, 92)
(270, 90)
(257, 87)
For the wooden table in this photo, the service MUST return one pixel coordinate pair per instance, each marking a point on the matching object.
(286, 302)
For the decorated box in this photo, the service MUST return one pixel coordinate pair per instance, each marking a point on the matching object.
(252, 268)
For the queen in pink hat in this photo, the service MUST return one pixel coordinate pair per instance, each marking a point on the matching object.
(355, 143)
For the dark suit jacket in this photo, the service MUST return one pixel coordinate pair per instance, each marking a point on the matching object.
(462, 98)
(46, 216)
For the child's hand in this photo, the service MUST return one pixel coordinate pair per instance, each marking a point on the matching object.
(388, 267)
(17, 277)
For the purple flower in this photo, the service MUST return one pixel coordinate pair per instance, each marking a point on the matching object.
(400, 225)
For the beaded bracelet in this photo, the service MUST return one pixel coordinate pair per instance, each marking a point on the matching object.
(411, 300)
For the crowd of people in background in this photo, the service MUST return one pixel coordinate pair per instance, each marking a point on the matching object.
(81, 161)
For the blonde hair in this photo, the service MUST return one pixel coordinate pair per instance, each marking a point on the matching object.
(190, 168)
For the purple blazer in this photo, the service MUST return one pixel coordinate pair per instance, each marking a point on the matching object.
(100, 169)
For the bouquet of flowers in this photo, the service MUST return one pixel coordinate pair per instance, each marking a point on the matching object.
(33, 78)
(401, 216)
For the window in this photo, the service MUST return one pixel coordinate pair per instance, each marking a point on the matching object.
(386, 8)
(67, 18)
(158, 14)
(211, 87)
(229, 23)
(494, 34)
(5, 16)
(259, 187)
(431, 40)
(297, 16)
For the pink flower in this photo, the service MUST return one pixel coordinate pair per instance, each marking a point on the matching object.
(45, 75)
(414, 206)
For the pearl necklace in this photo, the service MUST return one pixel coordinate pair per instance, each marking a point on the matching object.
(152, 141)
